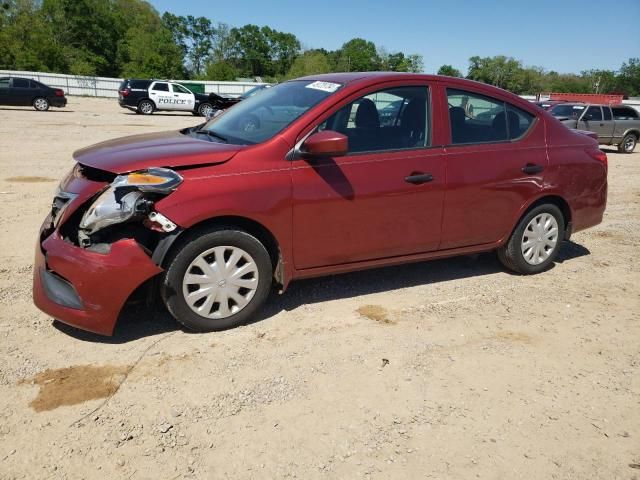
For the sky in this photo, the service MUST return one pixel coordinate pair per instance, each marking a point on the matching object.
(567, 36)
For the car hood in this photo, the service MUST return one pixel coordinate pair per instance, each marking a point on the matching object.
(163, 149)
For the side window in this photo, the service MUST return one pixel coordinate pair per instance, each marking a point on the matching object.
(179, 88)
(593, 113)
(161, 87)
(20, 83)
(4, 83)
(607, 113)
(518, 122)
(622, 113)
(475, 118)
(391, 119)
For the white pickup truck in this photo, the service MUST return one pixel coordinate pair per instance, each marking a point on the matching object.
(615, 125)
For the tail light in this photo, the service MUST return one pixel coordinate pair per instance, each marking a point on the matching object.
(597, 154)
(59, 92)
(125, 92)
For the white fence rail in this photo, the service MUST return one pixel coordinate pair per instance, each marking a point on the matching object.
(108, 87)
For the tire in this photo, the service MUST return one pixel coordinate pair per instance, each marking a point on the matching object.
(205, 109)
(41, 104)
(628, 144)
(543, 248)
(146, 107)
(196, 259)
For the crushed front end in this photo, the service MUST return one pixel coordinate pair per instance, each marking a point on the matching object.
(95, 247)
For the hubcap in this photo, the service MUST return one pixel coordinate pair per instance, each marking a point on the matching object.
(540, 238)
(220, 282)
(206, 110)
(146, 107)
(41, 104)
(629, 144)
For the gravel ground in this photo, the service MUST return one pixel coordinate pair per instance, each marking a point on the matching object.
(445, 369)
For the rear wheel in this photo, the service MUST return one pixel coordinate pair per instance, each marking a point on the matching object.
(628, 144)
(146, 107)
(41, 104)
(217, 280)
(534, 244)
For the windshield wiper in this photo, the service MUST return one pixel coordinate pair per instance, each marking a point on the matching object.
(212, 134)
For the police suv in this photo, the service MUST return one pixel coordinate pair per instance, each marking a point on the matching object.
(148, 96)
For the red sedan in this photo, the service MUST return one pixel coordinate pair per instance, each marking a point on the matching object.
(309, 179)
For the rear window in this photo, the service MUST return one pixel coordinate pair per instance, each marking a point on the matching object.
(475, 118)
(161, 87)
(20, 83)
(139, 84)
(624, 113)
(607, 113)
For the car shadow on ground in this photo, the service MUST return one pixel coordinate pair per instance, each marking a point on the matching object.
(31, 109)
(139, 321)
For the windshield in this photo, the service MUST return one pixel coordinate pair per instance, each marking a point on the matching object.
(252, 91)
(260, 117)
(571, 111)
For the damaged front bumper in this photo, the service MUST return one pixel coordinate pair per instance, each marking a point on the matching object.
(86, 289)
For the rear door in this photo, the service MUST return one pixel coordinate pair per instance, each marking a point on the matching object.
(385, 197)
(162, 96)
(496, 156)
(183, 98)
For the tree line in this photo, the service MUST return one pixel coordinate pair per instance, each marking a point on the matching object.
(512, 75)
(128, 38)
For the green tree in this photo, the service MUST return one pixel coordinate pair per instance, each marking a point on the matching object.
(501, 71)
(310, 62)
(358, 55)
(449, 71)
(628, 80)
(221, 70)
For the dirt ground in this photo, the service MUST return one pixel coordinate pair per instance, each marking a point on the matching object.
(449, 369)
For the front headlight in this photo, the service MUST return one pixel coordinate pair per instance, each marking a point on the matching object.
(126, 197)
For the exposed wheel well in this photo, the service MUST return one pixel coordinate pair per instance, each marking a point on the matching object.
(559, 202)
(250, 226)
(147, 99)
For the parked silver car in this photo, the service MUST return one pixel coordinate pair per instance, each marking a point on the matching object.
(615, 125)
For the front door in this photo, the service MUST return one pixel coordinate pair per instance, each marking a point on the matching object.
(594, 121)
(4, 91)
(183, 98)
(384, 198)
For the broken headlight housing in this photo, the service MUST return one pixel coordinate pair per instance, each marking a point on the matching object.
(127, 197)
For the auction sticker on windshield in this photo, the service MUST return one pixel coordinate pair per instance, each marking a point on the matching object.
(324, 86)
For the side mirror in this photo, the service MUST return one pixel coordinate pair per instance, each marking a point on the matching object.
(325, 144)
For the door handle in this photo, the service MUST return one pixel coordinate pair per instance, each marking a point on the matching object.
(419, 178)
(532, 168)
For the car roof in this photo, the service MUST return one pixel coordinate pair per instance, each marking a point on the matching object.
(371, 78)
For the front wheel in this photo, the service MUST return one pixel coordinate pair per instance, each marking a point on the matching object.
(217, 280)
(205, 110)
(534, 244)
(628, 144)
(41, 104)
